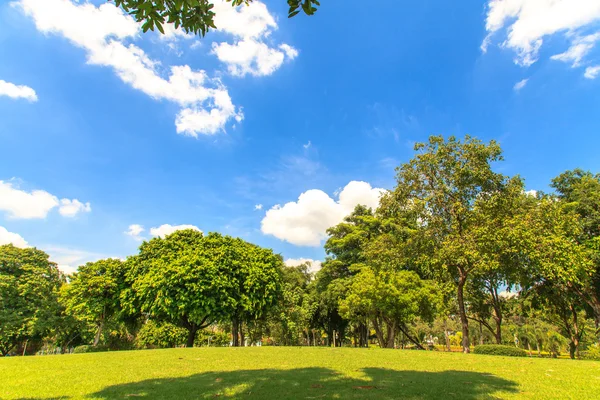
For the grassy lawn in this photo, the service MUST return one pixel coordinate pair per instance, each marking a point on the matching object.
(295, 373)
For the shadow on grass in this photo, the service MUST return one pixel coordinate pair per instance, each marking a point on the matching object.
(317, 383)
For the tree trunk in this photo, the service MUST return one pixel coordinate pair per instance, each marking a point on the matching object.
(364, 335)
(379, 333)
(25, 347)
(480, 333)
(498, 334)
(235, 333)
(497, 314)
(404, 329)
(574, 345)
(463, 314)
(391, 335)
(447, 336)
(192, 330)
(242, 336)
(99, 332)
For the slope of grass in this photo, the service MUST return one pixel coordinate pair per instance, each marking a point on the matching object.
(295, 373)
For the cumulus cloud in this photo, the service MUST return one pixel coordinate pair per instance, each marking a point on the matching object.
(304, 222)
(528, 22)
(21, 204)
(70, 208)
(167, 229)
(103, 32)
(7, 237)
(315, 265)
(135, 231)
(592, 72)
(520, 85)
(258, 207)
(17, 91)
(249, 54)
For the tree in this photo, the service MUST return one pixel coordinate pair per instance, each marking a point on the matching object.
(193, 280)
(290, 319)
(195, 16)
(93, 293)
(580, 192)
(442, 185)
(391, 300)
(29, 285)
(347, 249)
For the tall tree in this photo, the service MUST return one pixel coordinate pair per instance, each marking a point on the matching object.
(346, 249)
(93, 293)
(580, 191)
(29, 284)
(442, 185)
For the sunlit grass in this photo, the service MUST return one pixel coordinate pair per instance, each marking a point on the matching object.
(295, 373)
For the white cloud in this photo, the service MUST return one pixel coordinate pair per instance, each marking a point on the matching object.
(580, 47)
(20, 204)
(7, 237)
(307, 145)
(304, 223)
(135, 231)
(167, 229)
(69, 259)
(315, 265)
(250, 25)
(17, 91)
(70, 208)
(258, 207)
(102, 32)
(592, 72)
(520, 85)
(528, 22)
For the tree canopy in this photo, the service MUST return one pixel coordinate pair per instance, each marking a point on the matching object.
(193, 16)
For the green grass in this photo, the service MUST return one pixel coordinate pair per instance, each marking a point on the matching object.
(295, 373)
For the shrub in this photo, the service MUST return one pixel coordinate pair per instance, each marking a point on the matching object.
(217, 339)
(499, 350)
(90, 349)
(592, 353)
(154, 335)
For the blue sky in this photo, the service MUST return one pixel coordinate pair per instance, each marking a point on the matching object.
(291, 123)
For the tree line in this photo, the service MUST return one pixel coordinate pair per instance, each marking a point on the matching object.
(456, 255)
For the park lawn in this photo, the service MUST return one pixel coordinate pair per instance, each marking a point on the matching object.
(295, 373)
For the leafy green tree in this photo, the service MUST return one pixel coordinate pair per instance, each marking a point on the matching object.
(347, 250)
(193, 281)
(442, 185)
(93, 293)
(29, 284)
(291, 318)
(580, 192)
(195, 16)
(391, 300)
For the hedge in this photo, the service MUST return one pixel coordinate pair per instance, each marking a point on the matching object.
(499, 350)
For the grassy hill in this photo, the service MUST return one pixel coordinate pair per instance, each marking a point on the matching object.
(295, 373)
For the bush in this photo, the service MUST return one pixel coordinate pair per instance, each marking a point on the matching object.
(592, 353)
(90, 349)
(499, 350)
(155, 335)
(217, 339)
